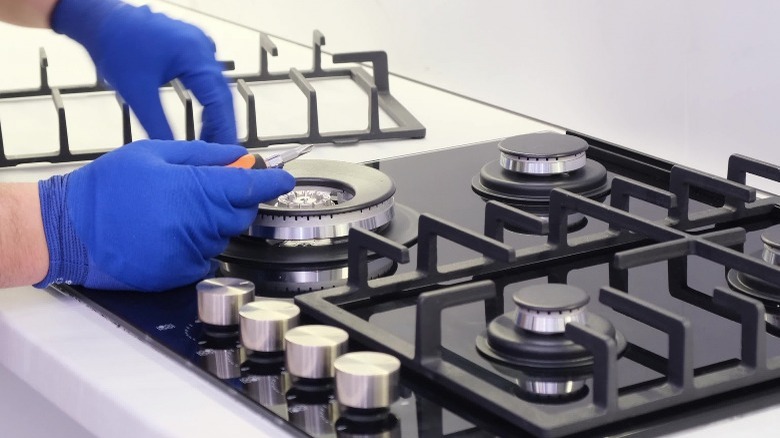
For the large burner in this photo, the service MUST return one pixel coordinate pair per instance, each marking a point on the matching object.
(534, 335)
(329, 198)
(298, 243)
(530, 166)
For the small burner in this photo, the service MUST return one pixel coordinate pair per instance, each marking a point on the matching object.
(530, 166)
(534, 335)
(542, 154)
(767, 292)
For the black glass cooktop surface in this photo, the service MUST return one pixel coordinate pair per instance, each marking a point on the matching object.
(439, 184)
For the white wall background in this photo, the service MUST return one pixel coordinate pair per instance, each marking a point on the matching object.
(692, 81)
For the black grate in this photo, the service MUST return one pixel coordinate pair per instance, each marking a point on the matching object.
(634, 241)
(376, 86)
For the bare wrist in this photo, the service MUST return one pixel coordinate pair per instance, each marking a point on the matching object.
(24, 255)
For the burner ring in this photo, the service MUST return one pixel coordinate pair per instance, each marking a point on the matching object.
(327, 207)
(285, 268)
(282, 282)
(262, 253)
(767, 293)
(530, 191)
(547, 386)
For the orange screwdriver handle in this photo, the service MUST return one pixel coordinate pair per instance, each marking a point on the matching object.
(249, 161)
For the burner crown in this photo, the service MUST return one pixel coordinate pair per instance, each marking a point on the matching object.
(771, 239)
(547, 308)
(543, 153)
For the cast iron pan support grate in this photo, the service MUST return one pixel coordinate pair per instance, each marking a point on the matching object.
(673, 244)
(376, 87)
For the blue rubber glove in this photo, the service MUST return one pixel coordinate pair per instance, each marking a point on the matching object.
(136, 51)
(150, 215)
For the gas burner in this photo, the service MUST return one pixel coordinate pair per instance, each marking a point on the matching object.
(767, 292)
(542, 154)
(530, 166)
(298, 243)
(534, 335)
(329, 198)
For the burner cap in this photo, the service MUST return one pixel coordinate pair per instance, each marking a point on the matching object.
(543, 153)
(530, 337)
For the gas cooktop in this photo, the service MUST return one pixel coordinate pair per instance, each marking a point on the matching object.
(538, 285)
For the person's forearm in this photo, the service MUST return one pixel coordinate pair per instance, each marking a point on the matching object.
(24, 256)
(29, 13)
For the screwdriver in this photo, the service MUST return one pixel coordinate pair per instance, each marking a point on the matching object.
(257, 161)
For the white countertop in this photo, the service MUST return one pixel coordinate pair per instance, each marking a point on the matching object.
(105, 379)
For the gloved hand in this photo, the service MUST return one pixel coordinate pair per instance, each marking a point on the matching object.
(150, 215)
(136, 51)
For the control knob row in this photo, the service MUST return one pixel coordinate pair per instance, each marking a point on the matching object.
(363, 380)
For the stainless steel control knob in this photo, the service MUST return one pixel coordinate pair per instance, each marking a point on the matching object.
(264, 323)
(310, 350)
(220, 298)
(367, 379)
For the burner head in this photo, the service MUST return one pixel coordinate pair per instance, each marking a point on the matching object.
(534, 335)
(330, 197)
(543, 153)
(756, 287)
(547, 308)
(530, 166)
(771, 239)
